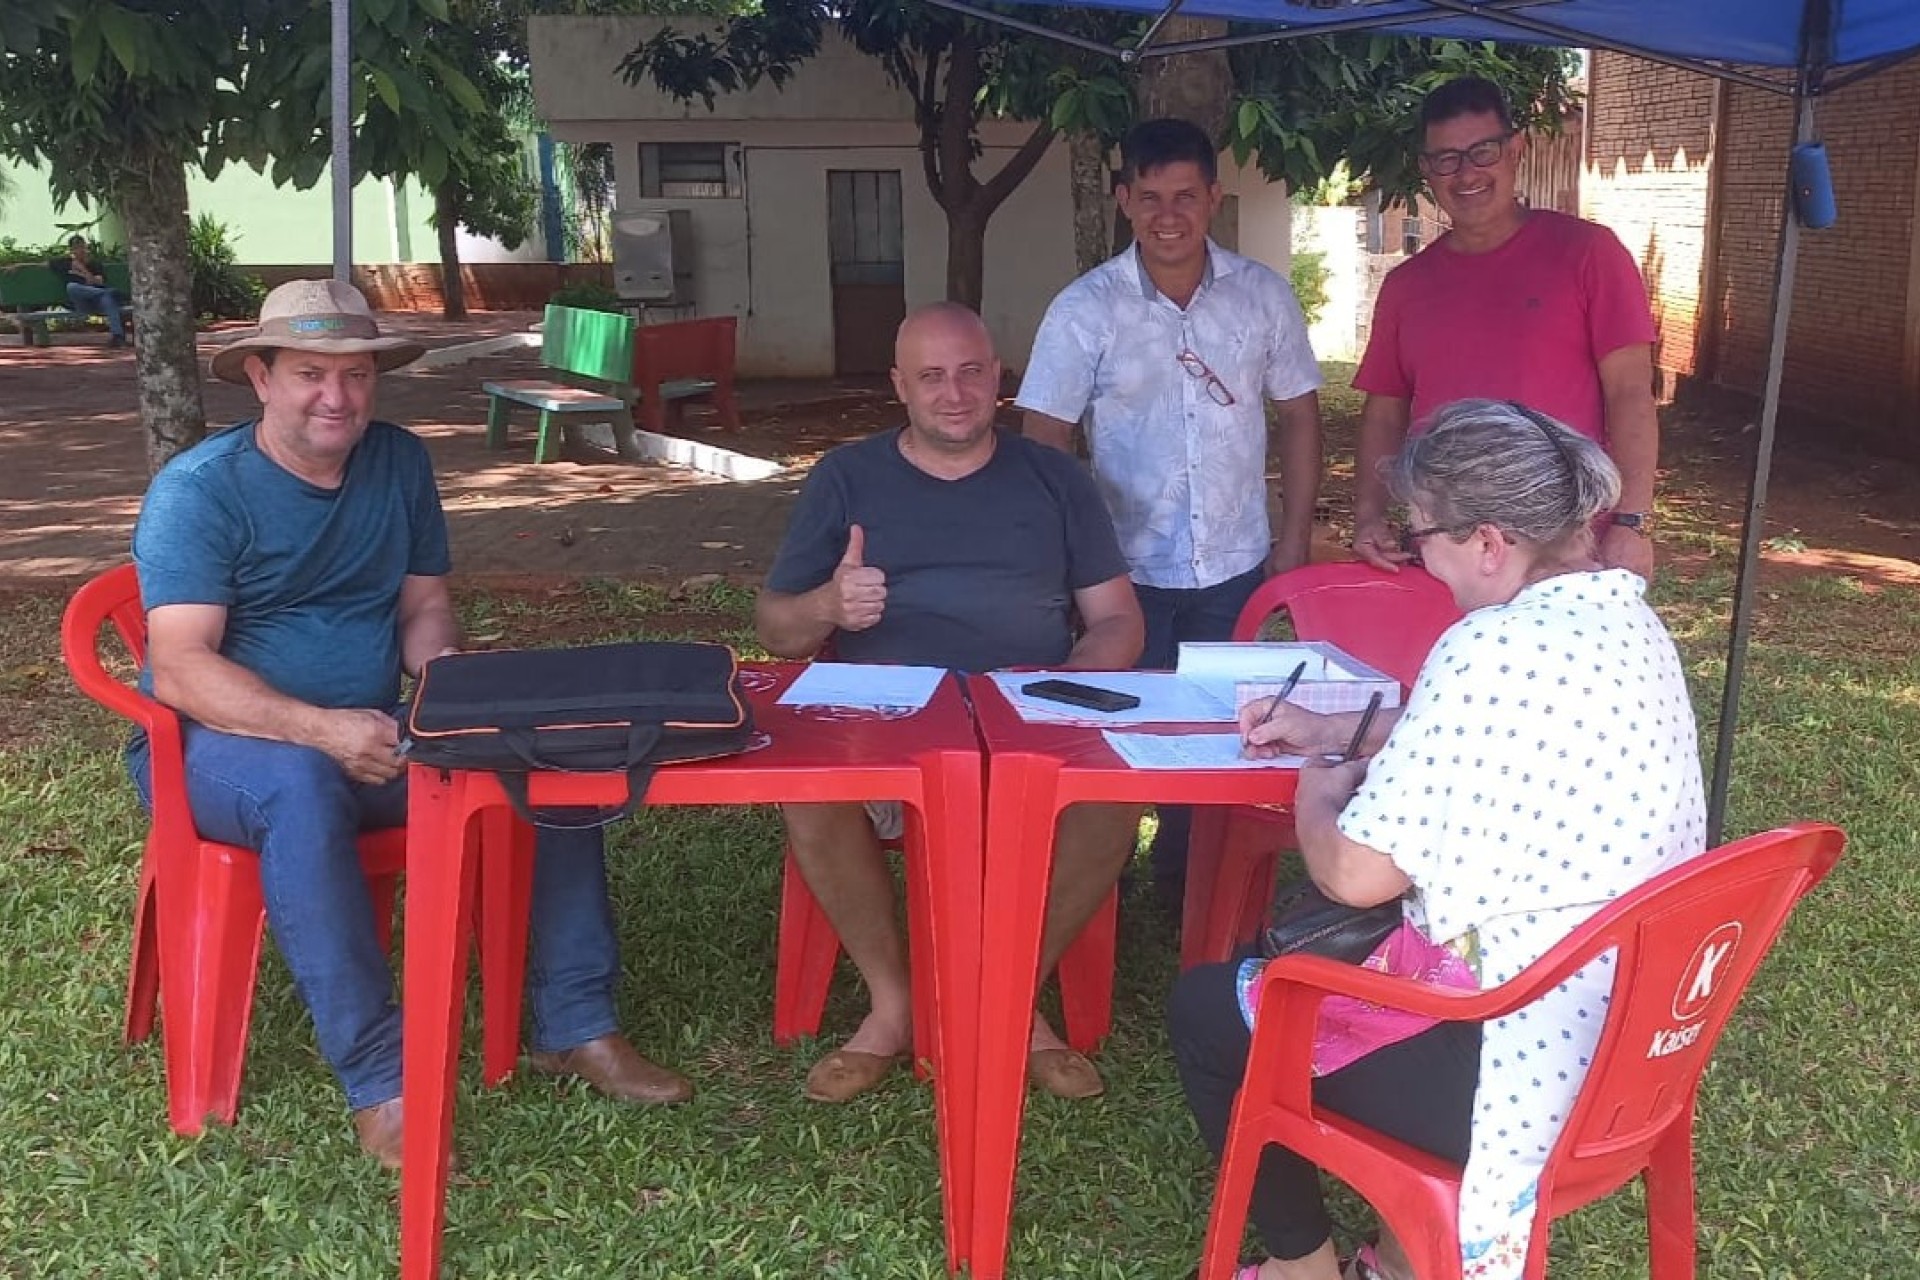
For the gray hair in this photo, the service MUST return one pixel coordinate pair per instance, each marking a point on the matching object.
(1501, 463)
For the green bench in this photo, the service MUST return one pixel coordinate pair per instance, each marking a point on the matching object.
(35, 294)
(653, 367)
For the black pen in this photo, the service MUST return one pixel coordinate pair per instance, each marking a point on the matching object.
(1281, 697)
(1366, 723)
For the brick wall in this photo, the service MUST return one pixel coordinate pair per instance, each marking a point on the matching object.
(415, 286)
(1846, 340)
(1647, 177)
(1654, 176)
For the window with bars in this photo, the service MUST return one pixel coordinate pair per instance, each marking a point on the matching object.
(689, 171)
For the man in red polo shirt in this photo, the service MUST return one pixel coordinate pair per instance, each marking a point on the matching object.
(1511, 304)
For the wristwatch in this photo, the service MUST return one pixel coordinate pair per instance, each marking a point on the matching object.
(1634, 520)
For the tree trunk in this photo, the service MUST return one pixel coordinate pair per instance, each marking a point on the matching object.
(1188, 86)
(446, 221)
(1092, 185)
(966, 255)
(948, 145)
(152, 200)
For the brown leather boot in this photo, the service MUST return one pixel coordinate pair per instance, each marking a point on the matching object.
(381, 1130)
(614, 1067)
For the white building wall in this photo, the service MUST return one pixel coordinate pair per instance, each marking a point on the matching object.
(1338, 232)
(1265, 215)
(764, 257)
(576, 76)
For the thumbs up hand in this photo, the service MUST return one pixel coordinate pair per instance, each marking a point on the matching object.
(857, 595)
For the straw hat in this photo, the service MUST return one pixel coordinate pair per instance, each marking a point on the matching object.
(330, 317)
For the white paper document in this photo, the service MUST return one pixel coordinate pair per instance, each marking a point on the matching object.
(1190, 751)
(860, 684)
(1164, 698)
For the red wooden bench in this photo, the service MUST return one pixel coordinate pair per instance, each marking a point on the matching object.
(682, 359)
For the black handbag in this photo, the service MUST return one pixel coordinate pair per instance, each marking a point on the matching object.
(1305, 921)
(599, 708)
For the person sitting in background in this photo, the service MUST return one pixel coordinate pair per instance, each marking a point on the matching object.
(1545, 763)
(88, 291)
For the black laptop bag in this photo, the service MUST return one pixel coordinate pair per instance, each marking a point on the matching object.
(600, 708)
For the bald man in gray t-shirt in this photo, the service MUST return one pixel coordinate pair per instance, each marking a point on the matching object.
(948, 543)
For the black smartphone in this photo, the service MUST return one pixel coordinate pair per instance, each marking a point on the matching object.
(1080, 695)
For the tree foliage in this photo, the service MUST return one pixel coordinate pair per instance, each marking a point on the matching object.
(1296, 108)
(220, 288)
(1304, 107)
(956, 71)
(116, 100)
(472, 64)
(587, 170)
(466, 149)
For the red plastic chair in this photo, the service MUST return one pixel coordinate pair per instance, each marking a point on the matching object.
(198, 914)
(1387, 620)
(1687, 944)
(809, 950)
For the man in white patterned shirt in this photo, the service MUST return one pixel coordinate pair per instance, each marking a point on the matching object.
(1169, 352)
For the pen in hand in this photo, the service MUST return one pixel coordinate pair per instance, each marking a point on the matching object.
(1285, 689)
(1360, 730)
(1247, 746)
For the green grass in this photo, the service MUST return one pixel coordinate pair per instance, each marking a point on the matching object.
(1809, 1139)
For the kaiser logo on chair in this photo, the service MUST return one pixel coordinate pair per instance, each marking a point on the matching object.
(1698, 981)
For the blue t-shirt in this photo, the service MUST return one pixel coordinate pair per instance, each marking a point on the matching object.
(981, 570)
(310, 577)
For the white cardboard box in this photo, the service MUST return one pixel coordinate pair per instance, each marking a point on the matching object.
(1238, 672)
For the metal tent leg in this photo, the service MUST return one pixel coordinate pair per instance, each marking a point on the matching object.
(1756, 519)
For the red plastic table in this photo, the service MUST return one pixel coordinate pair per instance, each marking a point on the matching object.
(1033, 772)
(930, 760)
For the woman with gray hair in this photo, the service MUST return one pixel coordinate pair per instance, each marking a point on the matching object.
(1544, 764)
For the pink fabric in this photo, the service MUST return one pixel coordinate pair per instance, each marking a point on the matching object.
(1529, 321)
(1350, 1029)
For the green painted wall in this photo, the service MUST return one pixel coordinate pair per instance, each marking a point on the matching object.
(266, 224)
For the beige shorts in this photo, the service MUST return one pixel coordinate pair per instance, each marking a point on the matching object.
(889, 818)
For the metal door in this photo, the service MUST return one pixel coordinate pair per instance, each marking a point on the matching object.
(865, 242)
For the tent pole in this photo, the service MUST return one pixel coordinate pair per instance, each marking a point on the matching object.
(1756, 520)
(342, 131)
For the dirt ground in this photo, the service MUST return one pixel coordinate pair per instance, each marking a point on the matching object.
(73, 468)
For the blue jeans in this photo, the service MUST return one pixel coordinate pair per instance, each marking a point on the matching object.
(301, 812)
(1172, 615)
(92, 299)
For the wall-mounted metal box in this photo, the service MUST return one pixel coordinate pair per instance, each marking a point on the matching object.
(653, 257)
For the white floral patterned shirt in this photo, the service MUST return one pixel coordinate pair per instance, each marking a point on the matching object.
(1183, 475)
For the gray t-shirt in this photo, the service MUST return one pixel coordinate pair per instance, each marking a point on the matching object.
(981, 571)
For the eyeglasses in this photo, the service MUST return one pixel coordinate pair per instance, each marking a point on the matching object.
(1410, 539)
(1484, 154)
(1217, 391)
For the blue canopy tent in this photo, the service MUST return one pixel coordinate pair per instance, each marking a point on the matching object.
(1800, 48)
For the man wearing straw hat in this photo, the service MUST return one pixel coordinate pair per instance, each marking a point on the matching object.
(292, 567)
